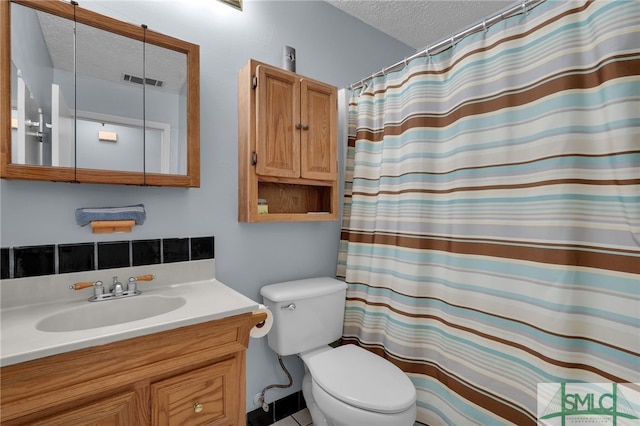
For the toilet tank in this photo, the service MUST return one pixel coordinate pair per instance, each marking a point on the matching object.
(307, 313)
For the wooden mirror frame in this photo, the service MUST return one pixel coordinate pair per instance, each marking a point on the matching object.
(71, 174)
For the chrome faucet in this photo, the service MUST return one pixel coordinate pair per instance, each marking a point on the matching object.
(117, 290)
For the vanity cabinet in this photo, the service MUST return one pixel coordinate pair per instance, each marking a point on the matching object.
(193, 375)
(287, 146)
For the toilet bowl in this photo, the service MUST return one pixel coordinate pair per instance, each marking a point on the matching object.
(342, 386)
(351, 386)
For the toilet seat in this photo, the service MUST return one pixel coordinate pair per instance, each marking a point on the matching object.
(362, 379)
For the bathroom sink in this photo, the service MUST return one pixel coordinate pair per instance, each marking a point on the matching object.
(112, 312)
(41, 317)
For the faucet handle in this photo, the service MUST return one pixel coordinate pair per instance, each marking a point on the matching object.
(98, 289)
(148, 277)
(133, 282)
(81, 285)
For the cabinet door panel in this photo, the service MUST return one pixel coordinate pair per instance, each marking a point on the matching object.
(319, 139)
(206, 396)
(278, 113)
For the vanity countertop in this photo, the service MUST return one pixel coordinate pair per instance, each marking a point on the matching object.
(21, 340)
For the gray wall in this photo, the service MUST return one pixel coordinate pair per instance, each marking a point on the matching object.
(330, 45)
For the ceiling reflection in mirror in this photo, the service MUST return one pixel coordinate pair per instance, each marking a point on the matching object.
(137, 90)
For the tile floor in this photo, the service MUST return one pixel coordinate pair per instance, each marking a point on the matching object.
(301, 418)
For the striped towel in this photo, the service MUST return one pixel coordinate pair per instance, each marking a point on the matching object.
(85, 216)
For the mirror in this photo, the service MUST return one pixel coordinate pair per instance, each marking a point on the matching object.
(87, 98)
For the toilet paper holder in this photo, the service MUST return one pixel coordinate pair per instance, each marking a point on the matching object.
(259, 314)
(263, 321)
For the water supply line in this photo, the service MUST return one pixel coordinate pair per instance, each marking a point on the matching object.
(263, 404)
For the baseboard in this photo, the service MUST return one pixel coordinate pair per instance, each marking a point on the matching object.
(278, 410)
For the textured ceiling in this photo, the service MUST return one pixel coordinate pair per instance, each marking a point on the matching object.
(420, 23)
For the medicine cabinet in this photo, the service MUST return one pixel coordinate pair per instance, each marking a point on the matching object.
(88, 98)
(287, 146)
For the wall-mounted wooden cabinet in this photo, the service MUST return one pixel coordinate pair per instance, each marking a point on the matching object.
(287, 146)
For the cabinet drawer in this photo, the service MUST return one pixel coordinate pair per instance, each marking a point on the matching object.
(206, 396)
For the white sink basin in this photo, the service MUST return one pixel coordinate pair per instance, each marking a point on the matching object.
(111, 312)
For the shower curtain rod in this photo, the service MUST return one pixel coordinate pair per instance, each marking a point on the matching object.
(522, 8)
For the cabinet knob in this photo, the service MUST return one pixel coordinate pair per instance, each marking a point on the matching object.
(299, 126)
(198, 407)
(305, 127)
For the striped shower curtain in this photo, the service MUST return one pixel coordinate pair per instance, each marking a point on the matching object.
(491, 226)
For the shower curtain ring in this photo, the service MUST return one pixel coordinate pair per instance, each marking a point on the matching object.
(484, 25)
(524, 7)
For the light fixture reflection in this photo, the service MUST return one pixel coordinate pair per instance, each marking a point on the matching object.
(107, 136)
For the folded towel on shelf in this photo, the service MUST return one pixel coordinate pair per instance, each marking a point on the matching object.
(85, 216)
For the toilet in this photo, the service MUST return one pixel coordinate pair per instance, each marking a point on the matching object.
(342, 386)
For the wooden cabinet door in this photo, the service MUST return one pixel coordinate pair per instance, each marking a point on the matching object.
(319, 130)
(207, 396)
(277, 119)
(119, 410)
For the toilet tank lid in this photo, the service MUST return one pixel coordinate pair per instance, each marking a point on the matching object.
(302, 289)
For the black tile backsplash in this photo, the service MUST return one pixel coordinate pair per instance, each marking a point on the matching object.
(64, 258)
(175, 250)
(34, 261)
(113, 254)
(145, 252)
(4, 264)
(202, 248)
(76, 257)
